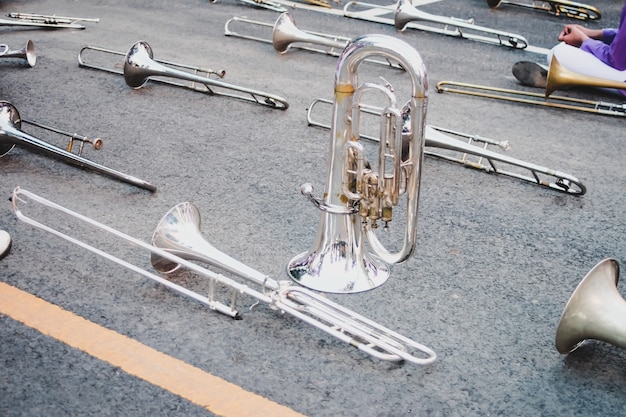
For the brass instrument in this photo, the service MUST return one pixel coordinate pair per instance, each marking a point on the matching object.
(555, 7)
(558, 78)
(263, 4)
(405, 15)
(357, 196)
(5, 243)
(285, 34)
(11, 135)
(596, 310)
(438, 137)
(45, 21)
(177, 240)
(139, 67)
(27, 53)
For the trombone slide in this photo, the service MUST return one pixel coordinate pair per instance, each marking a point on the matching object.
(439, 138)
(139, 67)
(406, 16)
(328, 316)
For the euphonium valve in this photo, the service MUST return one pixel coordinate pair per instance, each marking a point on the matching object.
(596, 310)
(357, 196)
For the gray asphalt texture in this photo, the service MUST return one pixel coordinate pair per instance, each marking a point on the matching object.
(495, 263)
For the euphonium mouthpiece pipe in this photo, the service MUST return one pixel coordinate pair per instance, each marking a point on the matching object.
(11, 135)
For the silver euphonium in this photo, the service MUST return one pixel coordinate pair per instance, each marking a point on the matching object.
(596, 310)
(357, 196)
(27, 53)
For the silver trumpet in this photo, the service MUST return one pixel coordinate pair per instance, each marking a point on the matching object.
(177, 240)
(357, 196)
(27, 53)
(139, 67)
(45, 21)
(486, 160)
(596, 310)
(405, 15)
(11, 135)
(285, 34)
(555, 7)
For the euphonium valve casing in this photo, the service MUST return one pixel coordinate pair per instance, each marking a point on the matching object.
(596, 310)
(339, 261)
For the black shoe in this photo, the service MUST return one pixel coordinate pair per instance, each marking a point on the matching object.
(5, 243)
(530, 74)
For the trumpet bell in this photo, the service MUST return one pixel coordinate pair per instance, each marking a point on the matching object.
(595, 310)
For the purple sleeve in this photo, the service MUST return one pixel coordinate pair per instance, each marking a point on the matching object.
(613, 52)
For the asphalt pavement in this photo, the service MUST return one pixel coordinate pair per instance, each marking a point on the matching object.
(495, 263)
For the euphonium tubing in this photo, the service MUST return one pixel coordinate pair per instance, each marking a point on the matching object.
(356, 197)
(438, 137)
(178, 231)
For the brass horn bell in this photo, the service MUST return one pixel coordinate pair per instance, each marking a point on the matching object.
(596, 310)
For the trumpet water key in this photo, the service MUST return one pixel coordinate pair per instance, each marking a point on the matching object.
(139, 67)
(285, 35)
(357, 197)
(27, 53)
(487, 160)
(177, 240)
(555, 7)
(405, 15)
(11, 135)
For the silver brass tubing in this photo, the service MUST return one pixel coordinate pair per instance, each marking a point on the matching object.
(11, 135)
(285, 35)
(437, 137)
(405, 16)
(177, 240)
(139, 67)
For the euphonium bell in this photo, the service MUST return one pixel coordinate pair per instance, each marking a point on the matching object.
(596, 310)
(357, 197)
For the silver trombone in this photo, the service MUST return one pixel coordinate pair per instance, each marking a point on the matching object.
(405, 16)
(27, 53)
(285, 34)
(139, 66)
(45, 21)
(177, 240)
(263, 4)
(566, 8)
(12, 135)
(438, 137)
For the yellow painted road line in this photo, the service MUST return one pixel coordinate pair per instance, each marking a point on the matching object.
(213, 393)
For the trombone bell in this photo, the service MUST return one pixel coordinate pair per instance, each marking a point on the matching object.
(596, 310)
